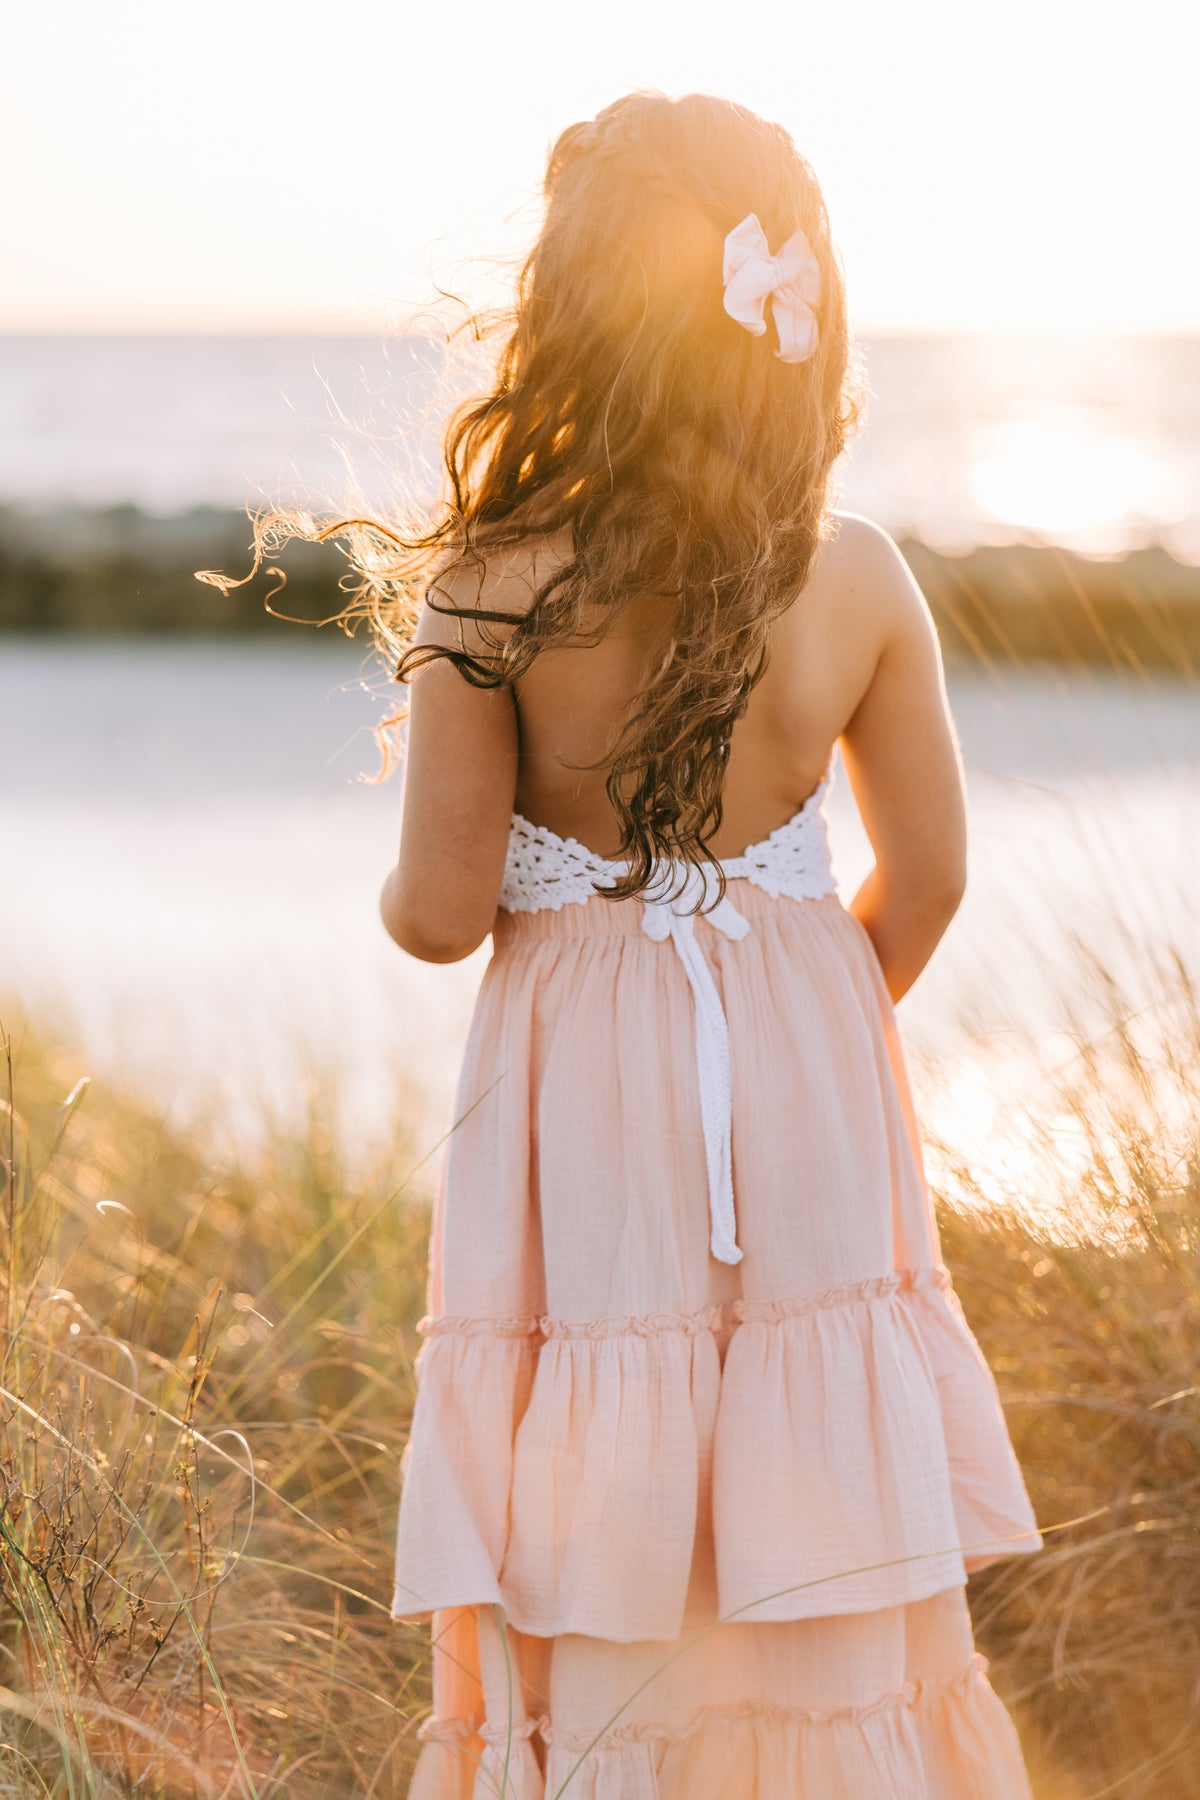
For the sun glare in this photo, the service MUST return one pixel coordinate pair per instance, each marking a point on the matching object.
(1056, 479)
(979, 1112)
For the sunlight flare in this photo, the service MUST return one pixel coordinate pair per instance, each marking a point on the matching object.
(1059, 479)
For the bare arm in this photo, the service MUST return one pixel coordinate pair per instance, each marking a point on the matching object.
(902, 758)
(460, 773)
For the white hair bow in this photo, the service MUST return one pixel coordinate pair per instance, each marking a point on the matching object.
(791, 279)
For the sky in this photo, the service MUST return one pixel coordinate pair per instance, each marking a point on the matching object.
(252, 165)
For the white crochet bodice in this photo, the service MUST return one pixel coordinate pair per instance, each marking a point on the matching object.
(544, 870)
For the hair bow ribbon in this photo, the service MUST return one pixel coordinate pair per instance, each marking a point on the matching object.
(791, 280)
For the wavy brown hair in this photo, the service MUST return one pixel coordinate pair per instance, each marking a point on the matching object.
(677, 453)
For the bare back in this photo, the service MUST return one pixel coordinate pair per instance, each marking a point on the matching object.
(569, 704)
(854, 664)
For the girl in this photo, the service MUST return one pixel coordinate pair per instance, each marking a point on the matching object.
(704, 1449)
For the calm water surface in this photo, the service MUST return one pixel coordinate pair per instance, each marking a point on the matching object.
(1091, 442)
(192, 860)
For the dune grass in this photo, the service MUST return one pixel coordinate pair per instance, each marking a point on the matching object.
(1083, 1288)
(207, 1374)
(207, 1377)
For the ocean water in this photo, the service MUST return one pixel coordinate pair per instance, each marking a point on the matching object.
(1093, 443)
(193, 852)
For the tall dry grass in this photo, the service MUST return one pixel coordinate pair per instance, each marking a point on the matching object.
(1082, 1283)
(208, 1373)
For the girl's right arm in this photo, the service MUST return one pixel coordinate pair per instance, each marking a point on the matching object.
(902, 758)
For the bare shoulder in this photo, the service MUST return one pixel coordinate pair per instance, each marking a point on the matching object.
(854, 535)
(497, 584)
(866, 566)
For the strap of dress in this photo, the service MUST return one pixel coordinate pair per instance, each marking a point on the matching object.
(667, 918)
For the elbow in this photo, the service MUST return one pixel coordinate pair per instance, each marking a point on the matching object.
(947, 892)
(429, 941)
(932, 892)
(437, 949)
(948, 878)
(429, 935)
(943, 889)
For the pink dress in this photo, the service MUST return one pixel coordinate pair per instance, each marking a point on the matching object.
(704, 1448)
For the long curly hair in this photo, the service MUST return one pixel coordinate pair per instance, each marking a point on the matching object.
(679, 456)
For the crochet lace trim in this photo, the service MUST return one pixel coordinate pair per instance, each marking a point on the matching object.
(708, 1318)
(544, 870)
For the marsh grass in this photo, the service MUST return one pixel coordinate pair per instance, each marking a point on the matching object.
(208, 1375)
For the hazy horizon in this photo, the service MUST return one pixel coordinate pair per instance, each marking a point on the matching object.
(1094, 444)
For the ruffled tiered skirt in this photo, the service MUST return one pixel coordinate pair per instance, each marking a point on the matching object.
(689, 1530)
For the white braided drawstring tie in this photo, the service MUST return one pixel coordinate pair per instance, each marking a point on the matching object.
(669, 918)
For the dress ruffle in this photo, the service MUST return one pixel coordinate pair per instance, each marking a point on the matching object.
(851, 1445)
(947, 1739)
(721, 1517)
(460, 1760)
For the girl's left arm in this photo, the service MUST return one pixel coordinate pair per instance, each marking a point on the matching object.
(460, 776)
